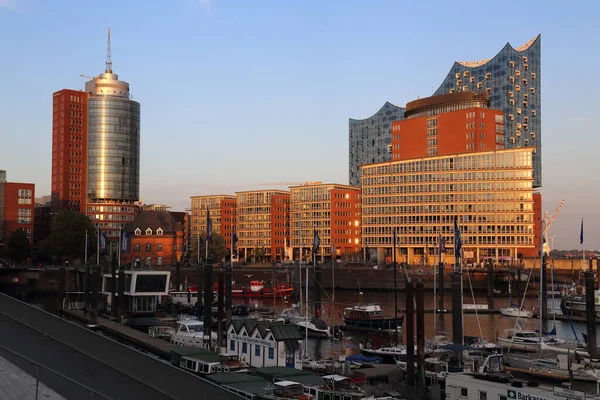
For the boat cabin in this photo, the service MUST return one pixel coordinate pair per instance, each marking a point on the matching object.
(207, 362)
(288, 390)
(335, 387)
(143, 290)
(364, 312)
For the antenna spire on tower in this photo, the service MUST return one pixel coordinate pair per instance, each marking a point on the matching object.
(108, 59)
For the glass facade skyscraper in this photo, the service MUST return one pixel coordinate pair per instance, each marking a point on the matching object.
(113, 145)
(370, 139)
(513, 82)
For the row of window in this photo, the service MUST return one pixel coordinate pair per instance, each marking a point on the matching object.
(138, 231)
(256, 349)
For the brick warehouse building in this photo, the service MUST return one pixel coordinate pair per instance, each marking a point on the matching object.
(222, 214)
(262, 223)
(156, 240)
(17, 208)
(334, 211)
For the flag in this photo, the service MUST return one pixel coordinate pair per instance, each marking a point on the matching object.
(316, 241)
(457, 238)
(234, 240)
(581, 233)
(101, 240)
(208, 226)
(442, 243)
(125, 241)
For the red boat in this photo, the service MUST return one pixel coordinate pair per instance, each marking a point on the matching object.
(256, 289)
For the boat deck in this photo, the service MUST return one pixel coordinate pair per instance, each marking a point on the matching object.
(159, 347)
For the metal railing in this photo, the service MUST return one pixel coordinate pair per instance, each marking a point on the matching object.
(93, 395)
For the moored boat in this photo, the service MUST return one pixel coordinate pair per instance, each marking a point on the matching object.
(370, 316)
(573, 302)
(518, 339)
(516, 312)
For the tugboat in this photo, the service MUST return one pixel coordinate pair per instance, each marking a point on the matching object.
(370, 316)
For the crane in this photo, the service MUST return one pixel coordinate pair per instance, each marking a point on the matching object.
(85, 76)
(548, 224)
(290, 183)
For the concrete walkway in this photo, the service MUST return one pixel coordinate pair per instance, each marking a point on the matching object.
(16, 384)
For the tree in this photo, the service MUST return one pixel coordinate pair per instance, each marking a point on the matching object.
(17, 246)
(217, 250)
(259, 254)
(67, 236)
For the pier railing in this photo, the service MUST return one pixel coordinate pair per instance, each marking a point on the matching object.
(39, 368)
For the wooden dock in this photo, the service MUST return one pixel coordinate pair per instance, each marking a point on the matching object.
(160, 347)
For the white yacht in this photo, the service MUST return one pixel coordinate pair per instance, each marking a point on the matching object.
(316, 327)
(518, 339)
(191, 333)
(516, 312)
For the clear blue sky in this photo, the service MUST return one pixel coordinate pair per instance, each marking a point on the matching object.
(235, 93)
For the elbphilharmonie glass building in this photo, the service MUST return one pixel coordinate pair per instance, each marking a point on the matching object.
(513, 83)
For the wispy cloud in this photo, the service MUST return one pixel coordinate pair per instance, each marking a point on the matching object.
(578, 119)
(9, 5)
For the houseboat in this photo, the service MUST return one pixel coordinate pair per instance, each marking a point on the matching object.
(205, 362)
(143, 291)
(370, 316)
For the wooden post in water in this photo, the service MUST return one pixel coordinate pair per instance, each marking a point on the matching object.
(121, 297)
(86, 289)
(113, 287)
(410, 334)
(490, 286)
(590, 305)
(441, 288)
(457, 326)
(420, 334)
(208, 298)
(199, 279)
(228, 300)
(220, 305)
(177, 276)
(62, 286)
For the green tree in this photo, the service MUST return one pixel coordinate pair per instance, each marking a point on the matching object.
(67, 236)
(217, 250)
(259, 254)
(18, 247)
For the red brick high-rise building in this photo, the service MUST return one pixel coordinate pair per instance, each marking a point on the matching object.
(16, 208)
(69, 150)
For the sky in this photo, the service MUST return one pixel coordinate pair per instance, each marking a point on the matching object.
(238, 93)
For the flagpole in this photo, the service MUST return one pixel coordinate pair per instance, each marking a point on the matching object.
(198, 248)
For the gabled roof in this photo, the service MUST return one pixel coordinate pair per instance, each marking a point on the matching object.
(285, 332)
(237, 325)
(154, 220)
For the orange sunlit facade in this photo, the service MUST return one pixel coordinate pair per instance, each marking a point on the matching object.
(259, 225)
(490, 193)
(334, 211)
(227, 219)
(69, 150)
(280, 225)
(447, 124)
(222, 216)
